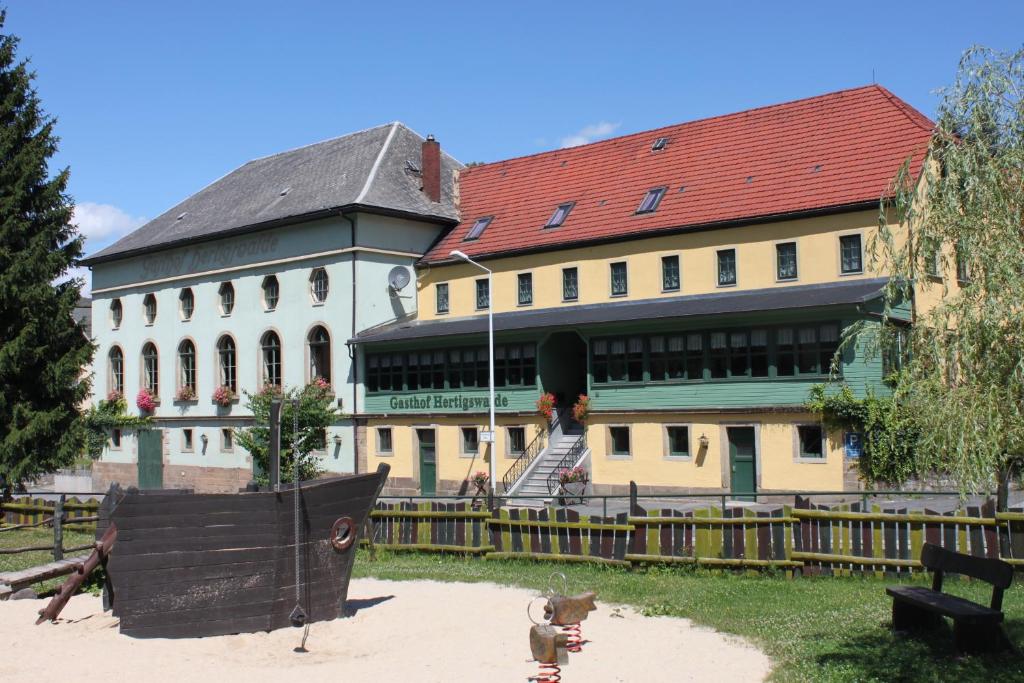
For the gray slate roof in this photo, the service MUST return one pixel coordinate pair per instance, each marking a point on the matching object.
(83, 314)
(845, 292)
(376, 168)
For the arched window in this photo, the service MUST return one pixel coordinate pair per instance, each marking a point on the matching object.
(226, 360)
(116, 313)
(150, 369)
(188, 303)
(227, 298)
(319, 285)
(115, 378)
(186, 370)
(270, 349)
(149, 308)
(271, 292)
(319, 354)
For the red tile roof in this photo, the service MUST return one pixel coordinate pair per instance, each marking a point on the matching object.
(826, 152)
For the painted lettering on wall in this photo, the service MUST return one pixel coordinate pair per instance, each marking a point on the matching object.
(209, 257)
(432, 402)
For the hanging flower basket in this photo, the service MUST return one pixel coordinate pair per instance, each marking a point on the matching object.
(115, 396)
(185, 393)
(223, 396)
(546, 405)
(573, 483)
(145, 401)
(581, 409)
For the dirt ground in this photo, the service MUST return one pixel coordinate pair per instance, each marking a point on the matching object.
(401, 631)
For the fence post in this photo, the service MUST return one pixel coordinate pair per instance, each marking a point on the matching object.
(633, 505)
(58, 529)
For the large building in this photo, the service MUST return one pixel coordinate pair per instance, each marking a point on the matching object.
(260, 278)
(694, 282)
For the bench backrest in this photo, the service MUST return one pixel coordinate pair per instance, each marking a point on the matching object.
(990, 570)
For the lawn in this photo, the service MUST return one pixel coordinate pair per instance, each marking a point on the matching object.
(814, 629)
(24, 538)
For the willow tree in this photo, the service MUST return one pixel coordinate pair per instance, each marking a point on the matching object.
(958, 241)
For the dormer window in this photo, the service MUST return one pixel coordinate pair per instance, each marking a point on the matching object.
(478, 228)
(560, 214)
(651, 200)
(659, 144)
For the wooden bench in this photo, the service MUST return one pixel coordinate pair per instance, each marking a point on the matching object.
(975, 627)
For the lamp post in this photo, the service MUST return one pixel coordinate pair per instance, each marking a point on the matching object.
(490, 354)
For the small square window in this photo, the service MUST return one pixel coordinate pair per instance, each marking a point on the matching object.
(670, 273)
(516, 440)
(619, 437)
(785, 261)
(478, 228)
(525, 281)
(659, 144)
(483, 294)
(115, 438)
(227, 439)
(651, 200)
(726, 267)
(570, 284)
(620, 279)
(678, 441)
(384, 440)
(441, 297)
(812, 440)
(470, 440)
(186, 439)
(851, 258)
(560, 214)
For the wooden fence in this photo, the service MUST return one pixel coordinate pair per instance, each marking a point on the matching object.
(814, 539)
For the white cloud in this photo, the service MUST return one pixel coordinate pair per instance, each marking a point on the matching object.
(590, 133)
(104, 222)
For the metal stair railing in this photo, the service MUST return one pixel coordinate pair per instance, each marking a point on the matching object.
(568, 460)
(522, 463)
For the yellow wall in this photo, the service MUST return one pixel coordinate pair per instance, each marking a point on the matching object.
(649, 464)
(817, 261)
(452, 465)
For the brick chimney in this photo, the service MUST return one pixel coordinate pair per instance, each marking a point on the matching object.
(431, 168)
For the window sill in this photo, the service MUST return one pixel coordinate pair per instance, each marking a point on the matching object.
(469, 455)
(618, 296)
(318, 303)
(571, 301)
(619, 456)
(786, 280)
(186, 401)
(726, 285)
(811, 461)
(677, 458)
(440, 312)
(850, 273)
(671, 291)
(524, 305)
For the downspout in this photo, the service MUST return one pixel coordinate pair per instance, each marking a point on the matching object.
(352, 335)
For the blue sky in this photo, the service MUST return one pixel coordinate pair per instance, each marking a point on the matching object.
(156, 100)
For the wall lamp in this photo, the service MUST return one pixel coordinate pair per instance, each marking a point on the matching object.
(205, 439)
(703, 441)
(337, 439)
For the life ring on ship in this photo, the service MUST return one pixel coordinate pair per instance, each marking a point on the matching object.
(343, 534)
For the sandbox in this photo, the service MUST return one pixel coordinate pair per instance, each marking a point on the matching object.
(409, 631)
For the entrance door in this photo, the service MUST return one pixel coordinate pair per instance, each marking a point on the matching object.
(742, 461)
(428, 462)
(151, 459)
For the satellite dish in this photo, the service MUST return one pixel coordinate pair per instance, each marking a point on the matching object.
(398, 278)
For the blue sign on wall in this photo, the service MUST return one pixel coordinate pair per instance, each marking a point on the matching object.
(854, 444)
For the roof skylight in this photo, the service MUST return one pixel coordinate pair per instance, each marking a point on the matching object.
(478, 228)
(651, 200)
(659, 144)
(560, 214)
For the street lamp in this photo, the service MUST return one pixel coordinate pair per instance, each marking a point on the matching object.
(455, 253)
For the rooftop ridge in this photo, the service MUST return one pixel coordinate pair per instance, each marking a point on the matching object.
(743, 112)
(320, 142)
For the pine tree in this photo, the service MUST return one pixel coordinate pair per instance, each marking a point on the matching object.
(42, 349)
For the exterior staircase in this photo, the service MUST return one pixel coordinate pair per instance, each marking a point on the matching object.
(564, 436)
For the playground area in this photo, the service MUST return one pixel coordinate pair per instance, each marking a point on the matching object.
(398, 630)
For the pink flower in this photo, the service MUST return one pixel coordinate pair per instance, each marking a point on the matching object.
(145, 401)
(223, 396)
(114, 396)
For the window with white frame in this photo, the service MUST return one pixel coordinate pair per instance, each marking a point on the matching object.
(227, 298)
(150, 369)
(385, 445)
(187, 303)
(319, 342)
(271, 292)
(319, 285)
(810, 442)
(149, 308)
(270, 352)
(226, 361)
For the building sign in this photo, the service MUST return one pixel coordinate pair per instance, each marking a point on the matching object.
(486, 436)
(854, 444)
(208, 257)
(437, 402)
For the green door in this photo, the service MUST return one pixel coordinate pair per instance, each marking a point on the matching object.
(151, 459)
(428, 462)
(742, 462)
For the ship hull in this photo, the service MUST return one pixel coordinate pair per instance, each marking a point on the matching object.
(189, 565)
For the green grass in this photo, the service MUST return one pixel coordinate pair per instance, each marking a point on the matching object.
(23, 538)
(814, 629)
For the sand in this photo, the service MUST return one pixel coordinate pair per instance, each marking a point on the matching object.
(401, 631)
